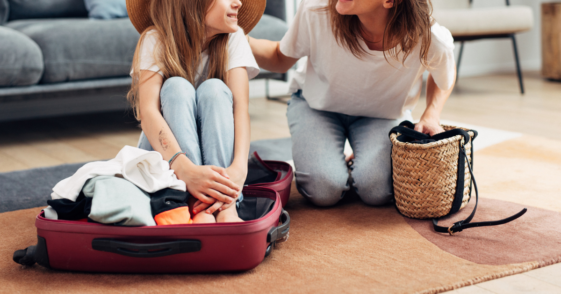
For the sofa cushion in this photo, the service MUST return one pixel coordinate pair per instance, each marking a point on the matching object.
(77, 49)
(107, 9)
(4, 11)
(21, 62)
(270, 28)
(26, 9)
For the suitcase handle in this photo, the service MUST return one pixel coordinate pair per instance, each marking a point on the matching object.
(146, 250)
(280, 232)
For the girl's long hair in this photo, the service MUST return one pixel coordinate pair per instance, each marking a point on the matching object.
(181, 33)
(410, 23)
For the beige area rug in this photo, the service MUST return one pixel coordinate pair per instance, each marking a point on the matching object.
(349, 248)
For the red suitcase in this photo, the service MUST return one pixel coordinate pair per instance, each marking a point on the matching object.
(92, 247)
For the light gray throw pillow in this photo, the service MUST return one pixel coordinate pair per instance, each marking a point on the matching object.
(106, 9)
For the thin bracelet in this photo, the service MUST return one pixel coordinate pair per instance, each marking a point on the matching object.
(174, 157)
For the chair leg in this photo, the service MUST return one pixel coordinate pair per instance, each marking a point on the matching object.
(267, 89)
(459, 60)
(520, 80)
(268, 96)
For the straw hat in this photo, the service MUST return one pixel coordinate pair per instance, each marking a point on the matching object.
(248, 16)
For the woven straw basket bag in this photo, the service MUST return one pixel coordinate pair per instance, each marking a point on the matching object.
(425, 175)
(433, 176)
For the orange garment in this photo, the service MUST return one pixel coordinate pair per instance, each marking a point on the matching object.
(175, 216)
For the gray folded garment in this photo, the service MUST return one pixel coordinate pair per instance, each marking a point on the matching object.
(118, 201)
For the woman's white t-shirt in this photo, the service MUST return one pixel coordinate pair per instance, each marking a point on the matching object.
(239, 55)
(337, 81)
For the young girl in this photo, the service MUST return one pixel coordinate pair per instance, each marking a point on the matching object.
(190, 93)
(363, 76)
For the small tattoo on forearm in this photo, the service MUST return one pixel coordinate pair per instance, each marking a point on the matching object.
(163, 140)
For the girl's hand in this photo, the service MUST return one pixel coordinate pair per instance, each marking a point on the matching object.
(207, 183)
(429, 126)
(237, 175)
(199, 206)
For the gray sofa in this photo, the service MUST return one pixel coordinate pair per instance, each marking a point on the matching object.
(54, 60)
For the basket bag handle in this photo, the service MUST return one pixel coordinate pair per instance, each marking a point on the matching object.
(406, 128)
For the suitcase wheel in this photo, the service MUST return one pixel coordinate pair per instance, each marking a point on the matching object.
(25, 256)
(269, 249)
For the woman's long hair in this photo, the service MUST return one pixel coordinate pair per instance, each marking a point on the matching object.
(181, 33)
(410, 23)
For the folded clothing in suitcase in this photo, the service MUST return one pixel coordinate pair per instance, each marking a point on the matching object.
(92, 247)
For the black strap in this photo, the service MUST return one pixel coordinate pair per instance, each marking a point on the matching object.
(465, 224)
(459, 194)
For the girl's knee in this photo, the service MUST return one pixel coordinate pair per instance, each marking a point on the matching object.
(178, 83)
(177, 90)
(214, 90)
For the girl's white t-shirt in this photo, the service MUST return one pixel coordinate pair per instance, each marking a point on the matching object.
(239, 55)
(337, 81)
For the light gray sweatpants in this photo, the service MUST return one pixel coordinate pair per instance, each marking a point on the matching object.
(318, 139)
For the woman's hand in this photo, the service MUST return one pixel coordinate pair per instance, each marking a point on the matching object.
(430, 126)
(436, 97)
(207, 183)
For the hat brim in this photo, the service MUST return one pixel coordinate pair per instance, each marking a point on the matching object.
(248, 16)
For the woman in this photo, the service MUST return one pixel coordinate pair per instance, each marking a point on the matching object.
(363, 76)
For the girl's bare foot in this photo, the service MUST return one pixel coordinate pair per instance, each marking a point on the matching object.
(228, 215)
(204, 218)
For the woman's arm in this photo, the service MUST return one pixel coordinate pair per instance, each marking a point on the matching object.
(436, 98)
(268, 55)
(203, 182)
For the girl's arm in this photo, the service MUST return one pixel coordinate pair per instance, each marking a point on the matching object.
(436, 97)
(201, 181)
(268, 55)
(238, 83)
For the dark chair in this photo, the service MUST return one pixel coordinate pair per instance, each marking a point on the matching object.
(467, 24)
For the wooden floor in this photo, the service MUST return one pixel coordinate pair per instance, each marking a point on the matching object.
(489, 101)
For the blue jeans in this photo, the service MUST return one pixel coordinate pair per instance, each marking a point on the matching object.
(318, 140)
(201, 120)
